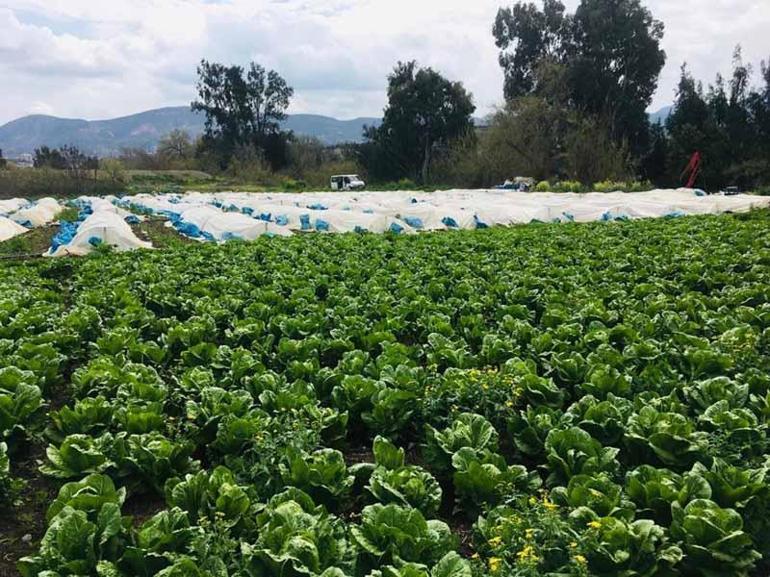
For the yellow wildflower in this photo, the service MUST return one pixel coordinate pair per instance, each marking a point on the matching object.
(580, 560)
(530, 534)
(595, 525)
(496, 541)
(475, 556)
(494, 564)
(527, 554)
(573, 545)
(550, 505)
(533, 500)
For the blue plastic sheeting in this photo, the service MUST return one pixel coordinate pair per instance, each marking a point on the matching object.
(282, 220)
(266, 216)
(607, 217)
(699, 192)
(568, 217)
(132, 219)
(81, 204)
(396, 228)
(27, 224)
(304, 220)
(208, 236)
(360, 230)
(248, 210)
(480, 223)
(321, 225)
(94, 241)
(449, 222)
(188, 229)
(674, 214)
(67, 231)
(414, 222)
(318, 207)
(368, 211)
(174, 217)
(231, 236)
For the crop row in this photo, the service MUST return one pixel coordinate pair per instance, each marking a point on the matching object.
(546, 400)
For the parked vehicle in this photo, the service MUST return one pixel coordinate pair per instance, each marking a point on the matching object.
(347, 182)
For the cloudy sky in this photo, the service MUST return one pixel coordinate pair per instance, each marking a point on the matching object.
(104, 58)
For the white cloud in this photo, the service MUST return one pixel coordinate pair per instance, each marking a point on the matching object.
(84, 58)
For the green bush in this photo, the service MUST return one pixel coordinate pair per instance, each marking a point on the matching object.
(543, 186)
(41, 182)
(610, 186)
(569, 186)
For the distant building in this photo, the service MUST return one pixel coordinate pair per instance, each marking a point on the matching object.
(23, 161)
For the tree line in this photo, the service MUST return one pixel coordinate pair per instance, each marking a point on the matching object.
(577, 86)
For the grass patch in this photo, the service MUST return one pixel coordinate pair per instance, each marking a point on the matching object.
(155, 230)
(32, 243)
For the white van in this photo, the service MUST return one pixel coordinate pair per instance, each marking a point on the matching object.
(347, 182)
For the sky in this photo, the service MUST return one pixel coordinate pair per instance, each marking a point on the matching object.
(98, 59)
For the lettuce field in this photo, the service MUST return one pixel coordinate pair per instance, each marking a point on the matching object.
(548, 400)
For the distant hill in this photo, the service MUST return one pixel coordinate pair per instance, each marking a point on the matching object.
(661, 115)
(144, 130)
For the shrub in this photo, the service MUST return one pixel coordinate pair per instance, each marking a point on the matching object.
(610, 186)
(569, 186)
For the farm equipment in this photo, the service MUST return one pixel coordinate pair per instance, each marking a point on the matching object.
(692, 170)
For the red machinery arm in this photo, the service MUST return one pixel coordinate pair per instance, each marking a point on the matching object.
(693, 169)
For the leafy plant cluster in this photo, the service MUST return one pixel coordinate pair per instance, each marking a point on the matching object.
(583, 400)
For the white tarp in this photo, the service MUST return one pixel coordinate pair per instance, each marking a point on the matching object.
(101, 227)
(106, 204)
(10, 205)
(10, 229)
(407, 211)
(43, 212)
(230, 225)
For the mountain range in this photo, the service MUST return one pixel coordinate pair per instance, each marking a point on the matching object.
(661, 115)
(144, 130)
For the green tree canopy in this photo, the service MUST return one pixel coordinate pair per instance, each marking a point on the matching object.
(424, 111)
(728, 124)
(610, 50)
(243, 109)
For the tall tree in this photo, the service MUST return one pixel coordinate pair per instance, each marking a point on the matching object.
(610, 50)
(526, 37)
(691, 128)
(424, 111)
(243, 109)
(269, 97)
(176, 145)
(3, 161)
